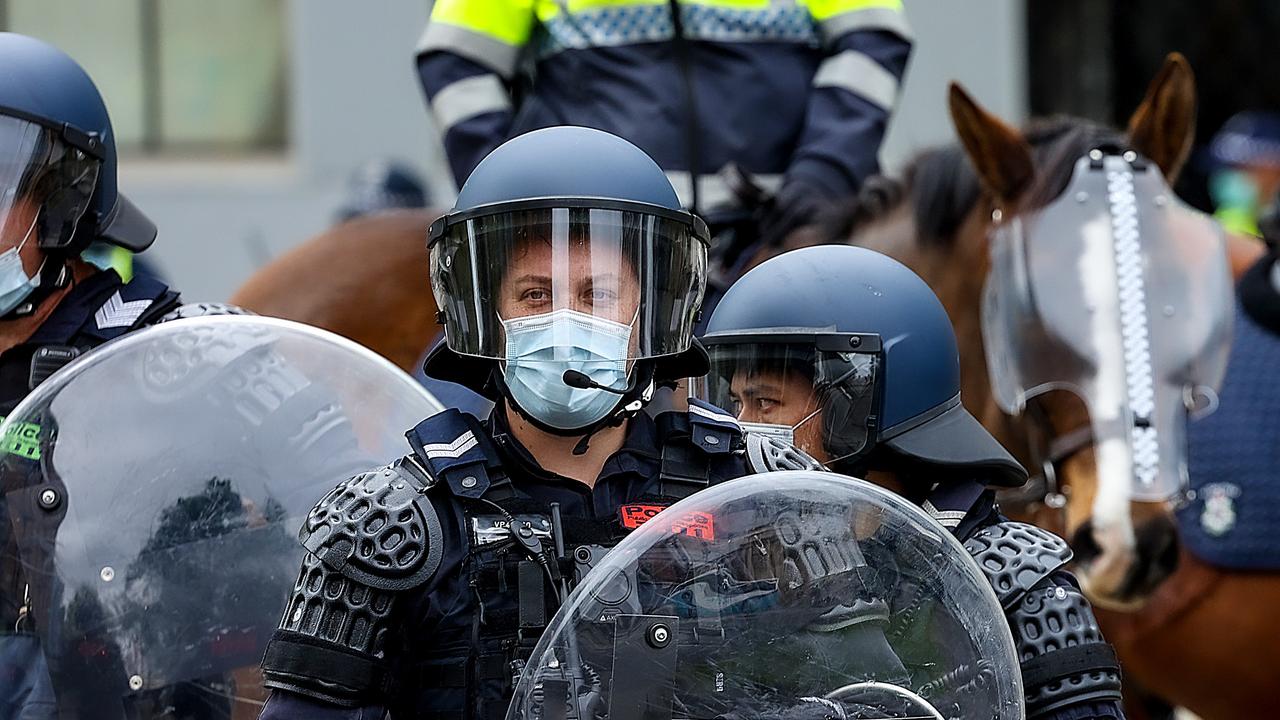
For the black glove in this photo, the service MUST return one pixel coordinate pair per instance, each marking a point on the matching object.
(797, 204)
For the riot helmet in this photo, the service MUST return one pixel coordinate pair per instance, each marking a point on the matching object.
(850, 354)
(568, 279)
(59, 172)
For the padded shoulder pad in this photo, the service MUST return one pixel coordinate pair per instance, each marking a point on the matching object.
(1015, 556)
(767, 454)
(378, 528)
(191, 310)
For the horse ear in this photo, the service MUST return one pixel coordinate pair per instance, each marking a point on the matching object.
(1164, 125)
(998, 152)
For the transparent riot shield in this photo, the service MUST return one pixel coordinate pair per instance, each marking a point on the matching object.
(151, 492)
(782, 595)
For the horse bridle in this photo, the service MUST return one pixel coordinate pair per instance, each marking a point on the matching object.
(1043, 487)
(1047, 453)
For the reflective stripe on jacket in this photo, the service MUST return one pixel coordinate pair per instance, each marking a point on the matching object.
(791, 91)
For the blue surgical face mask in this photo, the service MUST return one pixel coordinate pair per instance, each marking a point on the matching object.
(540, 348)
(15, 284)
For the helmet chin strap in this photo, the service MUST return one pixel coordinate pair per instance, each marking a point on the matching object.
(55, 274)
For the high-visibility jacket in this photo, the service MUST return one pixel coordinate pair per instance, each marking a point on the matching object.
(794, 91)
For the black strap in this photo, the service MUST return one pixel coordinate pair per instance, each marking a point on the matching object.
(533, 599)
(684, 467)
(304, 659)
(1069, 662)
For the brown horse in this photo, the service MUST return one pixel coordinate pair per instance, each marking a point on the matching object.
(366, 280)
(1196, 636)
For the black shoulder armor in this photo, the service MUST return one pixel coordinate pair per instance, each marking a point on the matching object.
(1065, 660)
(378, 528)
(1015, 556)
(371, 538)
(766, 454)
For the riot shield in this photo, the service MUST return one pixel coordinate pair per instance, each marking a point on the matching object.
(151, 491)
(782, 595)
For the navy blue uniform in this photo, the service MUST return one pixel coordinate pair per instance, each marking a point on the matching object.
(99, 308)
(460, 637)
(797, 93)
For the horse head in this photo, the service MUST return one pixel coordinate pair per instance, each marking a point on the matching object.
(1091, 306)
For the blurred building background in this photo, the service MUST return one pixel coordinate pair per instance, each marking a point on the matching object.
(240, 121)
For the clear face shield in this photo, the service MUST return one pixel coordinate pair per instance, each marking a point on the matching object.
(568, 297)
(819, 390)
(1122, 295)
(638, 275)
(773, 594)
(45, 184)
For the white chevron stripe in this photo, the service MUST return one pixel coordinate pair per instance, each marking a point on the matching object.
(454, 449)
(115, 312)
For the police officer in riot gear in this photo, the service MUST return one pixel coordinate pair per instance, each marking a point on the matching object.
(569, 280)
(850, 354)
(57, 196)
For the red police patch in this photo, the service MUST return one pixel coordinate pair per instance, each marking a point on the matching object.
(633, 516)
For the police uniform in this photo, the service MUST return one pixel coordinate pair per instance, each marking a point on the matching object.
(799, 94)
(99, 308)
(569, 279)
(425, 588)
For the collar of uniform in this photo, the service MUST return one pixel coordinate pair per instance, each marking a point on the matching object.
(638, 453)
(952, 502)
(81, 302)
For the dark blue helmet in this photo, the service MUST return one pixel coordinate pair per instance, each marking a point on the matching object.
(382, 185)
(568, 243)
(54, 123)
(855, 338)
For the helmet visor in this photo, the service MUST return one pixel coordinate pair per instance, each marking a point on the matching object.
(800, 383)
(41, 180)
(634, 271)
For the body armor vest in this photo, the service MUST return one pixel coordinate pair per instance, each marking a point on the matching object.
(512, 572)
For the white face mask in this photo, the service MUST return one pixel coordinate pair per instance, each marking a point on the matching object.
(540, 348)
(785, 433)
(15, 284)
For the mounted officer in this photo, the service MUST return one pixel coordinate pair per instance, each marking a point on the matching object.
(796, 94)
(850, 354)
(57, 196)
(569, 279)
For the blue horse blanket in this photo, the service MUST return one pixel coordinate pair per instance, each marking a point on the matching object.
(1233, 459)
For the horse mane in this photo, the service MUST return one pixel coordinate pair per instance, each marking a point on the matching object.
(943, 187)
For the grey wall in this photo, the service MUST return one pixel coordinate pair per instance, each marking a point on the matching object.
(977, 42)
(355, 96)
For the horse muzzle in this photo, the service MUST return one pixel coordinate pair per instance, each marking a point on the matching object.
(1121, 573)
